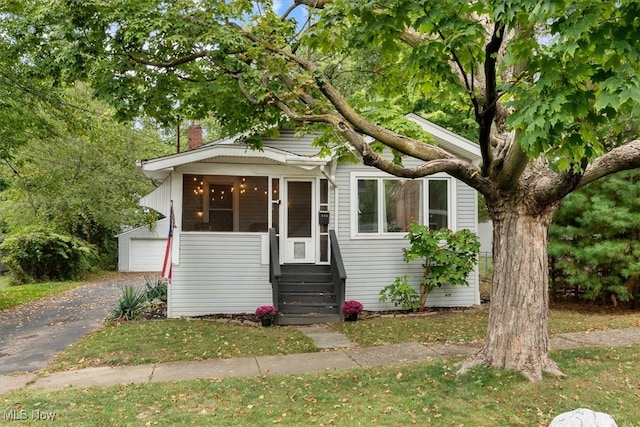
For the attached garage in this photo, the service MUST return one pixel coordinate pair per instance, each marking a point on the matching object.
(142, 249)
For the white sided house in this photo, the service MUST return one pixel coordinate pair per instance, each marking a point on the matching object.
(286, 227)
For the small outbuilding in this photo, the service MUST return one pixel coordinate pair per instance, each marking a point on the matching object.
(142, 249)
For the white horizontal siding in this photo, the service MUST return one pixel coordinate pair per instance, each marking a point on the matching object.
(159, 199)
(373, 263)
(467, 217)
(219, 273)
(289, 141)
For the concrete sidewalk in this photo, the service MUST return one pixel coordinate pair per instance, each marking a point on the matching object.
(342, 356)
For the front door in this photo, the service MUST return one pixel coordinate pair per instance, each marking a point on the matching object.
(299, 231)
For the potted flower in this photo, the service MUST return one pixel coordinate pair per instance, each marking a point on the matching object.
(350, 310)
(266, 314)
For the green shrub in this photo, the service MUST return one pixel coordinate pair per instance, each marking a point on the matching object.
(447, 257)
(131, 304)
(156, 289)
(401, 294)
(135, 302)
(38, 254)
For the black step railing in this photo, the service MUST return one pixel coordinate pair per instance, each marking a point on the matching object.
(338, 272)
(275, 272)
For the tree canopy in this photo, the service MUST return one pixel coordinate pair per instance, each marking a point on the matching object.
(80, 179)
(540, 79)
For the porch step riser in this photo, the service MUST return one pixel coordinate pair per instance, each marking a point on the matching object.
(305, 268)
(305, 288)
(305, 278)
(307, 319)
(308, 298)
(308, 309)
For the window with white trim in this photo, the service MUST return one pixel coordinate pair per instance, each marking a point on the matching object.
(389, 205)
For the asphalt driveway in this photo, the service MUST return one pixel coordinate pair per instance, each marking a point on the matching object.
(32, 333)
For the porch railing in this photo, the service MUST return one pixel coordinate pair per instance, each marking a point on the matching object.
(275, 271)
(338, 272)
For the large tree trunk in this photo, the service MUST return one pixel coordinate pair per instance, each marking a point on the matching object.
(517, 336)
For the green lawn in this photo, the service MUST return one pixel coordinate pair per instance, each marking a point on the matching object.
(463, 327)
(427, 393)
(422, 394)
(14, 295)
(141, 342)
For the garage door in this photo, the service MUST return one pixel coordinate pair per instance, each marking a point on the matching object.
(146, 254)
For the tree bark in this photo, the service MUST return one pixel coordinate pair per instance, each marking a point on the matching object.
(517, 336)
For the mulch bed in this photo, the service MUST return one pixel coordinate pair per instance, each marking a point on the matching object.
(158, 313)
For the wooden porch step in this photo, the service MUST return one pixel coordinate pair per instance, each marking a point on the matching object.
(305, 273)
(308, 308)
(305, 278)
(307, 319)
(309, 288)
(301, 268)
(306, 297)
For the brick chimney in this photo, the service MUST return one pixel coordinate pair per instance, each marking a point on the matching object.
(195, 135)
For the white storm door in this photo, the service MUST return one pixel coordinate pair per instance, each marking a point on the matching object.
(299, 225)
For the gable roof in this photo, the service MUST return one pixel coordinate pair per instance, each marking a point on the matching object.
(229, 151)
(450, 141)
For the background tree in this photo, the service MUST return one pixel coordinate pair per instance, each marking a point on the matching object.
(539, 77)
(594, 240)
(22, 98)
(81, 179)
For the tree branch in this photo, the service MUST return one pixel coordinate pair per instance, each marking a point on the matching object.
(315, 118)
(315, 4)
(457, 168)
(170, 64)
(508, 169)
(401, 143)
(488, 113)
(550, 189)
(619, 159)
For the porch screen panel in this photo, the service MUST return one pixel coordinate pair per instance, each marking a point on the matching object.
(254, 199)
(225, 203)
(299, 209)
(221, 207)
(192, 202)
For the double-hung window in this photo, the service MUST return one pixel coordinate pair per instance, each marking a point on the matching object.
(385, 206)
